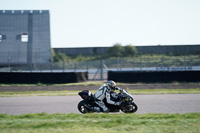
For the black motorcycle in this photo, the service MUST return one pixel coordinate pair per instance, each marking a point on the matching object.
(87, 105)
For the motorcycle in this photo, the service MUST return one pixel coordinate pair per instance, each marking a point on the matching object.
(87, 105)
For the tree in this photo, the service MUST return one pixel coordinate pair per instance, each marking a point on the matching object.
(129, 50)
(116, 51)
(122, 51)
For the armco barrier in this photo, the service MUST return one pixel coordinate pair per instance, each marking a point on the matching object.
(66, 77)
(153, 77)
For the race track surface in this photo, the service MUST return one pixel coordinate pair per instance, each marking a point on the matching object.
(171, 103)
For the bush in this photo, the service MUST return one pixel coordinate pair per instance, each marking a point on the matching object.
(61, 57)
(130, 50)
(122, 51)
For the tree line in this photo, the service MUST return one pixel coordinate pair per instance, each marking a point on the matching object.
(116, 51)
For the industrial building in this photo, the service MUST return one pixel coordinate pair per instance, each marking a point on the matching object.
(24, 37)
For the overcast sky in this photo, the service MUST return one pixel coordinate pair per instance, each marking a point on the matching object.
(97, 23)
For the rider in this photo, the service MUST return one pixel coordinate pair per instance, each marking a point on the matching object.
(104, 92)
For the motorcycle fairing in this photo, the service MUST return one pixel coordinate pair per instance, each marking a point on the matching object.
(85, 94)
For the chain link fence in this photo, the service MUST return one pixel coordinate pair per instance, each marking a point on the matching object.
(97, 69)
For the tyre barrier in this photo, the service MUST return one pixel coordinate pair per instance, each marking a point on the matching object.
(154, 76)
(36, 77)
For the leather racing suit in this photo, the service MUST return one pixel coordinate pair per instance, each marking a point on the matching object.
(103, 92)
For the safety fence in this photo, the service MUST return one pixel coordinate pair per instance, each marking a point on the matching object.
(97, 69)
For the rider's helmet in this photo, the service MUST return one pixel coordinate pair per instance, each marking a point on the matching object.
(111, 85)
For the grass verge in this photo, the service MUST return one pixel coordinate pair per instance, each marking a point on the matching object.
(98, 123)
(98, 83)
(67, 84)
(75, 93)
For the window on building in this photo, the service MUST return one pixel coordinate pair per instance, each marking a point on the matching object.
(24, 37)
(0, 37)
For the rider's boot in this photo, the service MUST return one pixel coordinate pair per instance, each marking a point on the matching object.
(97, 109)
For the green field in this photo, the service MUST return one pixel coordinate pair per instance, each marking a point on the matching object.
(98, 123)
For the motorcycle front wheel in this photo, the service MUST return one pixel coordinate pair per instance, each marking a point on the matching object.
(130, 108)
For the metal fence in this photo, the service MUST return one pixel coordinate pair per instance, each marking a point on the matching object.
(97, 69)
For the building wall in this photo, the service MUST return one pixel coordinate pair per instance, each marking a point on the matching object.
(35, 24)
(174, 49)
(82, 51)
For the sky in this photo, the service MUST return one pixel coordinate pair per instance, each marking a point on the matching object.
(103, 23)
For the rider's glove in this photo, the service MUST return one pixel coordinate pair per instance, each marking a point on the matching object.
(117, 103)
(121, 90)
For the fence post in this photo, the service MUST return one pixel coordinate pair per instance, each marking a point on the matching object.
(63, 66)
(140, 64)
(74, 66)
(87, 67)
(185, 62)
(51, 67)
(121, 64)
(101, 67)
(163, 60)
(9, 66)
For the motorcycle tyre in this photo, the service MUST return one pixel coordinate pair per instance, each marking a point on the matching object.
(81, 107)
(132, 111)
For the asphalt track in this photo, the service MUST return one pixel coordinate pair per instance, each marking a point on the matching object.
(168, 103)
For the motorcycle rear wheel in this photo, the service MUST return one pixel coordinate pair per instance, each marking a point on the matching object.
(81, 107)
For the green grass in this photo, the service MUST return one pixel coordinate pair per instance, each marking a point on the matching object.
(67, 84)
(75, 93)
(97, 83)
(98, 123)
(165, 91)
